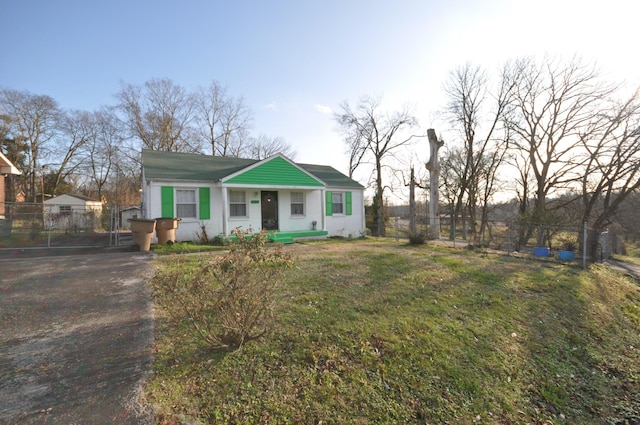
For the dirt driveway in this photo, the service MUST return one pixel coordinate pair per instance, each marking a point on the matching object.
(76, 329)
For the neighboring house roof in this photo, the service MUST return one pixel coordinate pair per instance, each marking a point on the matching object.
(80, 197)
(130, 209)
(6, 167)
(160, 165)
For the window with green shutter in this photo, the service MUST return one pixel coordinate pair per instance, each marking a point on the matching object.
(339, 203)
(183, 202)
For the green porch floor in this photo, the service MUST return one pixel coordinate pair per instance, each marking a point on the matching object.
(290, 237)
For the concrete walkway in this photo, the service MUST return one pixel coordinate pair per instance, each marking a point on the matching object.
(627, 268)
(75, 337)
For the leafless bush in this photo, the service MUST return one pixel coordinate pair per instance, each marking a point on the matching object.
(229, 300)
(418, 238)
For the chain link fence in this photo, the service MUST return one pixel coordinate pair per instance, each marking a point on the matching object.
(50, 225)
(550, 241)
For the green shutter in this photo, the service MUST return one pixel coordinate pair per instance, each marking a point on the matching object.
(205, 203)
(347, 196)
(329, 202)
(166, 201)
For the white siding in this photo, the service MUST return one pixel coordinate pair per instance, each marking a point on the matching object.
(252, 219)
(348, 225)
(312, 211)
(188, 228)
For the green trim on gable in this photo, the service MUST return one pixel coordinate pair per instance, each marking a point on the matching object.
(276, 172)
(204, 195)
(166, 201)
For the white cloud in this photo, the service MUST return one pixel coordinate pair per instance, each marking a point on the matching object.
(272, 106)
(323, 109)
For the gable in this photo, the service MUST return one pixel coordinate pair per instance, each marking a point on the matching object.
(69, 199)
(276, 172)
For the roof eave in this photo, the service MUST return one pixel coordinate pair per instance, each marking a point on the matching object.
(7, 167)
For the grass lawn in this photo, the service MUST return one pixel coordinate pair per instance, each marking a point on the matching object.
(371, 331)
(185, 248)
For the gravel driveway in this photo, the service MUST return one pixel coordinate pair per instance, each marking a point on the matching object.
(76, 330)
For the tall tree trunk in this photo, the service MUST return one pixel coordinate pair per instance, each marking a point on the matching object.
(380, 219)
(434, 184)
(413, 231)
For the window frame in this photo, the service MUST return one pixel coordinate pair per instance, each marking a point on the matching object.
(65, 210)
(301, 203)
(177, 204)
(342, 203)
(233, 203)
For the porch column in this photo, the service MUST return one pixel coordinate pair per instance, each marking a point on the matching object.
(323, 209)
(225, 223)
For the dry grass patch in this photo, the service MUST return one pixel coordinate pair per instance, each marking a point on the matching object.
(371, 331)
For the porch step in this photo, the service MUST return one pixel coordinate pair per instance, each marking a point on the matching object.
(282, 239)
(289, 237)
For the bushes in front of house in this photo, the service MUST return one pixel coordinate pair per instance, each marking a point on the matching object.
(228, 299)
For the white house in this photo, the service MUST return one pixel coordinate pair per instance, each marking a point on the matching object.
(220, 194)
(7, 169)
(73, 212)
(127, 214)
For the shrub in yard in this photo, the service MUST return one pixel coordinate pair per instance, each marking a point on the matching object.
(202, 235)
(229, 299)
(418, 238)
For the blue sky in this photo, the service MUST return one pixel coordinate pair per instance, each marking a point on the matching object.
(295, 61)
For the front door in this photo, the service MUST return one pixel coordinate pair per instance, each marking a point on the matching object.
(269, 210)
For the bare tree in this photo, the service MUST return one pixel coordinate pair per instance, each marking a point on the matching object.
(553, 102)
(223, 121)
(159, 114)
(453, 161)
(629, 219)
(264, 146)
(373, 135)
(75, 130)
(611, 173)
(100, 154)
(32, 120)
(476, 115)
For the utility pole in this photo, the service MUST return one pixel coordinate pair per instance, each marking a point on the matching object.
(434, 182)
(413, 228)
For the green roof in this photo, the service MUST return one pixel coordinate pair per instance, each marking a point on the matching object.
(330, 176)
(161, 165)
